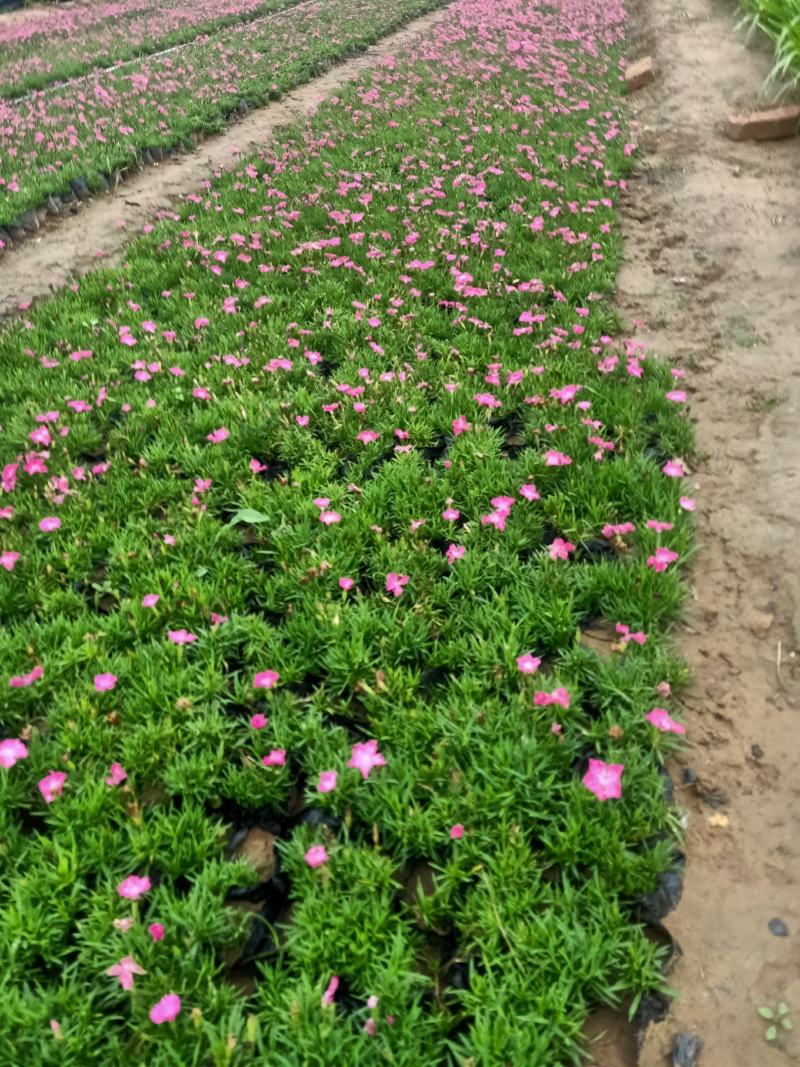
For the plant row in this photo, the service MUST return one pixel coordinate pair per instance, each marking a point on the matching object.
(65, 44)
(84, 132)
(307, 516)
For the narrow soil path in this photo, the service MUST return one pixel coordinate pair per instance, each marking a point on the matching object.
(68, 247)
(712, 234)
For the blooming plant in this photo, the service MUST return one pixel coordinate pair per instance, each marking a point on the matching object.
(401, 314)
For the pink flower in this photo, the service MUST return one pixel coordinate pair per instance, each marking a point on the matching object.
(276, 758)
(552, 458)
(181, 637)
(456, 832)
(687, 503)
(167, 1009)
(454, 553)
(528, 664)
(216, 437)
(661, 719)
(365, 757)
(329, 518)
(316, 856)
(327, 781)
(330, 992)
(346, 583)
(156, 931)
(673, 468)
(367, 436)
(529, 491)
(558, 696)
(662, 559)
(123, 925)
(117, 775)
(265, 679)
(658, 525)
(677, 396)
(560, 549)
(451, 514)
(8, 560)
(125, 970)
(11, 750)
(104, 682)
(51, 785)
(133, 887)
(23, 680)
(664, 689)
(395, 583)
(369, 1027)
(604, 779)
(49, 524)
(258, 721)
(461, 425)
(149, 600)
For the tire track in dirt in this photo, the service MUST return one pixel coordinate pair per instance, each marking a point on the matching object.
(712, 236)
(68, 247)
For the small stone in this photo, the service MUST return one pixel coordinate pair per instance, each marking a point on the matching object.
(17, 232)
(686, 1049)
(778, 927)
(756, 751)
(718, 819)
(157, 153)
(759, 621)
(102, 181)
(5, 239)
(688, 776)
(639, 74)
(53, 207)
(769, 125)
(147, 159)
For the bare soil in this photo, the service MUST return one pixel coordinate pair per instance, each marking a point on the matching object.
(68, 247)
(712, 236)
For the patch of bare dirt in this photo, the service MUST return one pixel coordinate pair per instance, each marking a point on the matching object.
(68, 247)
(712, 233)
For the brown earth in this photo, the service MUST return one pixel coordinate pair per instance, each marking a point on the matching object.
(95, 236)
(712, 235)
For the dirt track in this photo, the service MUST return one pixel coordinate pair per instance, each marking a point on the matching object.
(713, 267)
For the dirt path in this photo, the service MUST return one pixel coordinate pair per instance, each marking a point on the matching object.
(713, 267)
(71, 246)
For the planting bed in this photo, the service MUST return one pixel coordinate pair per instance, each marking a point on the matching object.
(63, 43)
(312, 515)
(75, 138)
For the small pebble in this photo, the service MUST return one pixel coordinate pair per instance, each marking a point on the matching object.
(686, 1050)
(778, 927)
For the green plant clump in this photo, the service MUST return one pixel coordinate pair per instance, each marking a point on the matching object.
(306, 511)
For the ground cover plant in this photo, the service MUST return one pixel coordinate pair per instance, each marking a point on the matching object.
(88, 129)
(64, 43)
(307, 512)
(781, 20)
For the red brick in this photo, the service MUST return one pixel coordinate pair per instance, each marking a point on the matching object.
(639, 74)
(764, 125)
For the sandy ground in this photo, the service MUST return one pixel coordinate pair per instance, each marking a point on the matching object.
(713, 267)
(68, 247)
